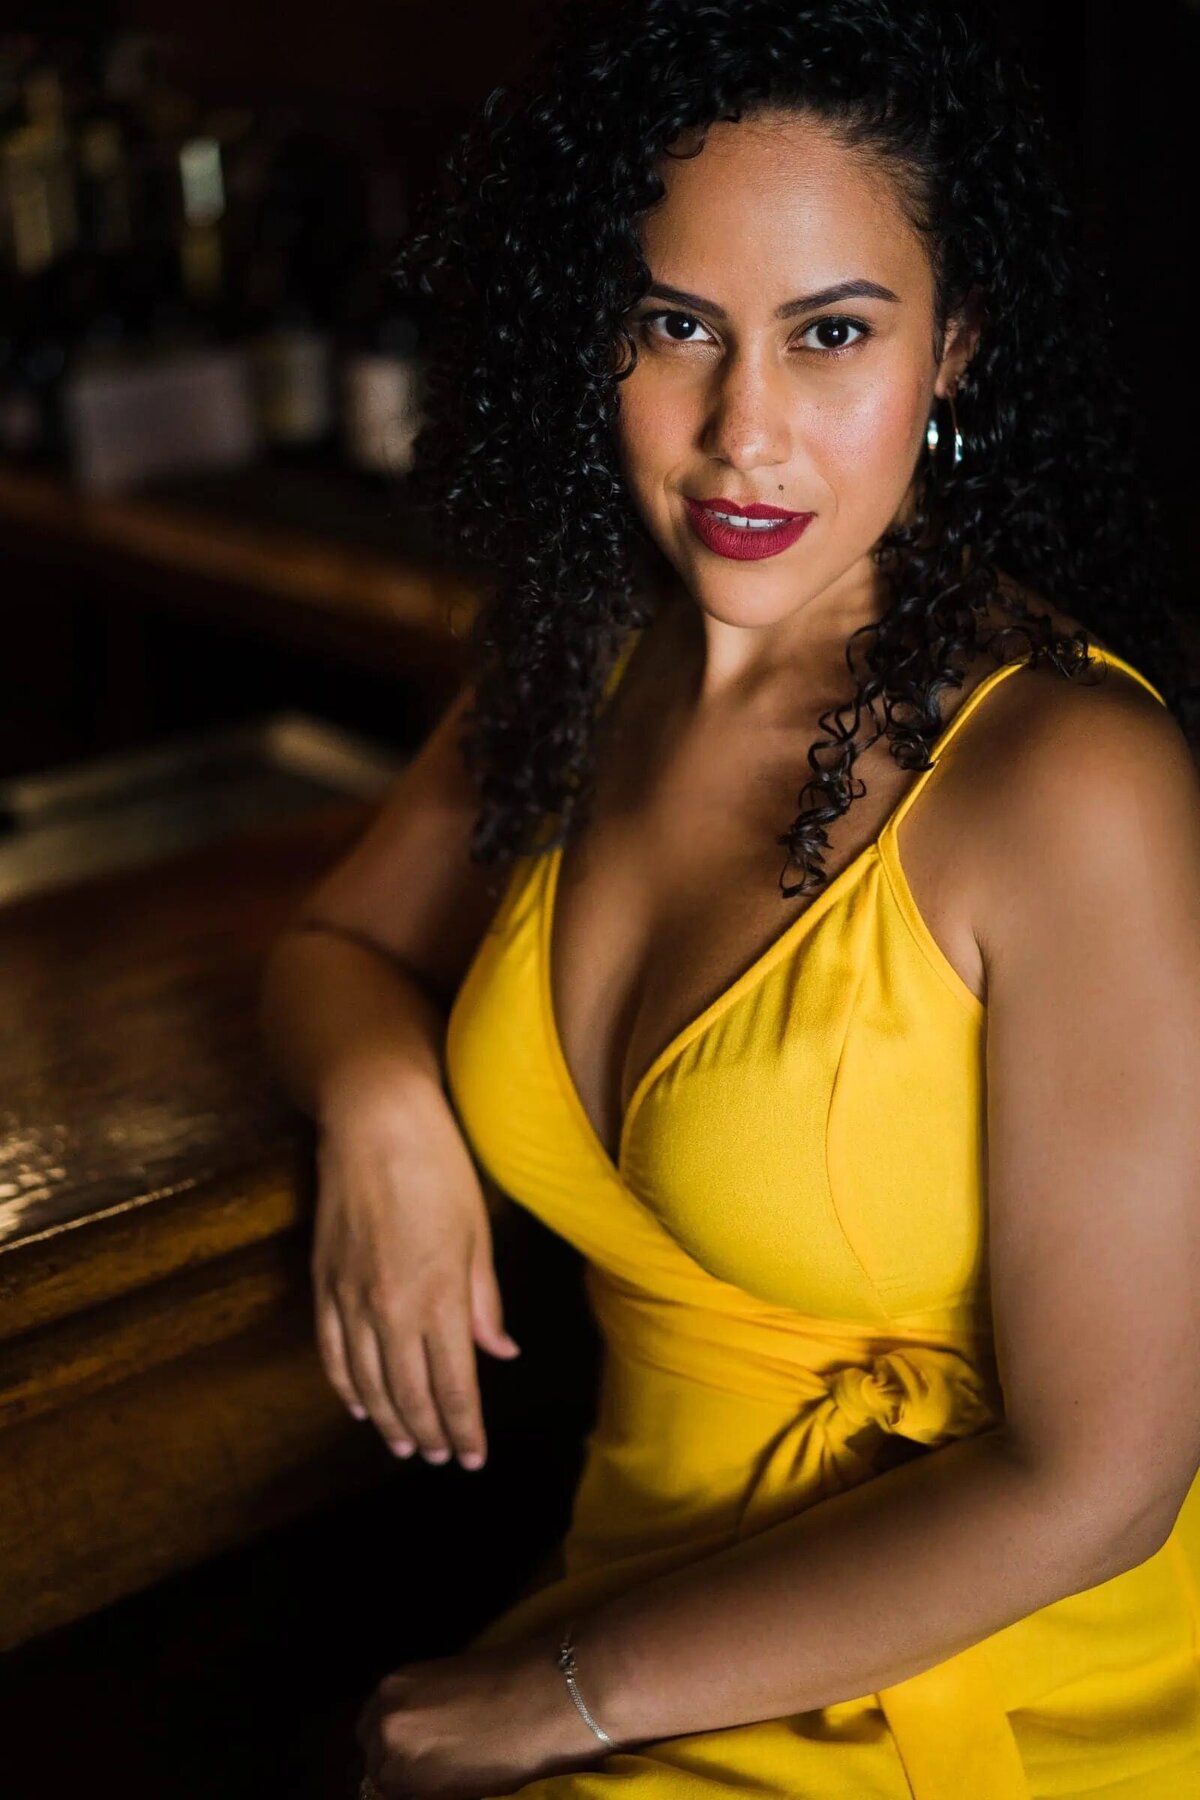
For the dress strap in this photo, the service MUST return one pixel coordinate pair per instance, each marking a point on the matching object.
(975, 699)
(613, 678)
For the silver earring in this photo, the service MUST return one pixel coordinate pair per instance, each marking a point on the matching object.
(933, 434)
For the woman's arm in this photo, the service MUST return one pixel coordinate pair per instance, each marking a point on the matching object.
(1090, 928)
(356, 987)
(352, 1013)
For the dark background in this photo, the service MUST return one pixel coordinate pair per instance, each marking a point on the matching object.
(1120, 85)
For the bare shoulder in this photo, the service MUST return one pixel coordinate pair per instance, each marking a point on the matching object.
(1072, 796)
(1072, 750)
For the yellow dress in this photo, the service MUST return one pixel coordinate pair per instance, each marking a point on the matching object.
(787, 1264)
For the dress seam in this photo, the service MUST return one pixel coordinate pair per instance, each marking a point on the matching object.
(860, 966)
(921, 936)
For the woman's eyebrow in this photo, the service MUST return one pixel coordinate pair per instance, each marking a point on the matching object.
(860, 289)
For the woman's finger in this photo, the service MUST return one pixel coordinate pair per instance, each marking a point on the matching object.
(450, 1349)
(406, 1371)
(327, 1319)
(366, 1368)
(331, 1346)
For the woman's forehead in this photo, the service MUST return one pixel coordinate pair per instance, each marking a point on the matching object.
(787, 159)
(780, 202)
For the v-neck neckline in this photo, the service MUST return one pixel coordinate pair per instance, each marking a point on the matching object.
(729, 995)
(869, 856)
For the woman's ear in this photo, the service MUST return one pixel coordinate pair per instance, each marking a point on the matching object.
(961, 342)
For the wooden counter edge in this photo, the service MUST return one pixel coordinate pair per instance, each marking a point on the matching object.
(101, 1255)
(303, 568)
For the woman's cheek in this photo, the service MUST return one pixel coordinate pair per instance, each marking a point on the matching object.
(866, 449)
(654, 430)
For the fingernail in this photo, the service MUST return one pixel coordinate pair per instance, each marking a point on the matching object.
(435, 1456)
(471, 1459)
(358, 1412)
(401, 1446)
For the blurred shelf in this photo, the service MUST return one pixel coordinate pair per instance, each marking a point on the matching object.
(315, 556)
(322, 500)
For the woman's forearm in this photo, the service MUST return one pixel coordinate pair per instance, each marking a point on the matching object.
(852, 1595)
(338, 1017)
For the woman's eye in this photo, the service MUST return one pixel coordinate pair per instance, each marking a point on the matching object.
(678, 328)
(837, 327)
(682, 328)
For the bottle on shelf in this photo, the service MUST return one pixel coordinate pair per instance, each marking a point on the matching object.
(41, 223)
(176, 399)
(187, 285)
(307, 221)
(292, 372)
(96, 270)
(129, 75)
(380, 364)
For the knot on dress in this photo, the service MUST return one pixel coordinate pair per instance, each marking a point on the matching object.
(863, 1419)
(919, 1393)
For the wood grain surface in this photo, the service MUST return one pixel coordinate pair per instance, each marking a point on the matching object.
(160, 1394)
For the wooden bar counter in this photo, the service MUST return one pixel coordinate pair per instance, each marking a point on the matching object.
(161, 1398)
(160, 1394)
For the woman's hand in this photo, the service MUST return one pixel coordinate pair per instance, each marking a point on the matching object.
(483, 1722)
(403, 1278)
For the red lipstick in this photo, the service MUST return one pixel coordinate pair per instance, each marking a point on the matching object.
(744, 543)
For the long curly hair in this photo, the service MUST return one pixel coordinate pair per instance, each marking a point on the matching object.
(525, 260)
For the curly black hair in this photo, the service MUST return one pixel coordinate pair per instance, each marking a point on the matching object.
(525, 261)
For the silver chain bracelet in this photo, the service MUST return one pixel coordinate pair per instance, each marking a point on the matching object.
(566, 1662)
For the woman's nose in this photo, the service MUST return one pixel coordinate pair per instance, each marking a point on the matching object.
(749, 419)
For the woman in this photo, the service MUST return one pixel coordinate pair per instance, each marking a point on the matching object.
(766, 375)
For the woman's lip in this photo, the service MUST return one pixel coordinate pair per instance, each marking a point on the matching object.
(738, 542)
(755, 510)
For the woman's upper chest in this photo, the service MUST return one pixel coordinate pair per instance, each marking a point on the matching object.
(671, 893)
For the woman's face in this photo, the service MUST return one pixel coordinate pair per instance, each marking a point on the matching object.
(759, 384)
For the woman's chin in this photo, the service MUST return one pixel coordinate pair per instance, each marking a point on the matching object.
(742, 602)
